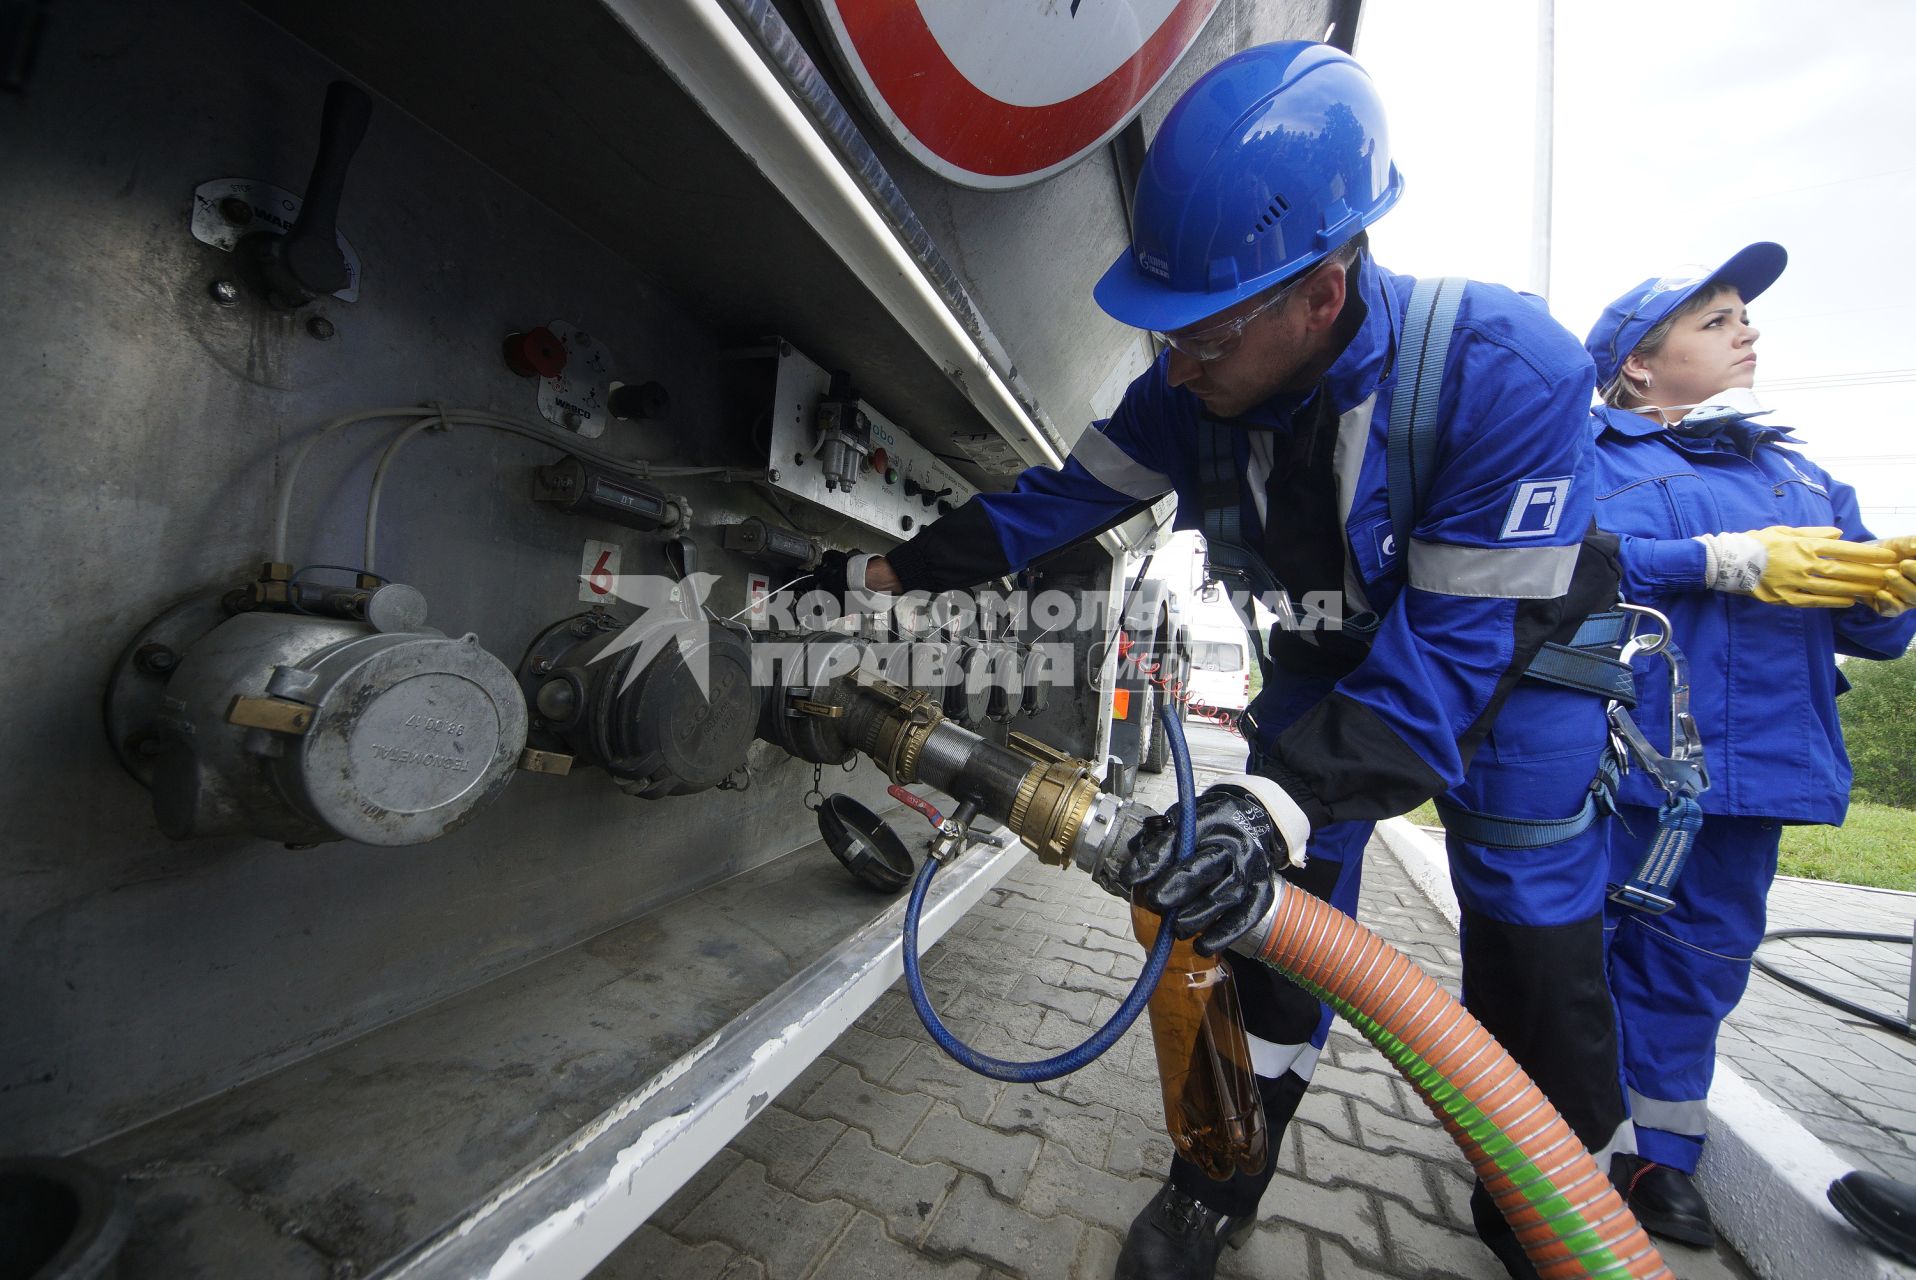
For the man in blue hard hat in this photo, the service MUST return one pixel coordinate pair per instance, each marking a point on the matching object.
(1268, 414)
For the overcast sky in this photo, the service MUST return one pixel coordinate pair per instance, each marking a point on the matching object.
(1684, 131)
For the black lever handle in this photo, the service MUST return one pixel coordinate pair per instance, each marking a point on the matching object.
(307, 262)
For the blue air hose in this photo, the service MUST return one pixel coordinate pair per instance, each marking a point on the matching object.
(1107, 1035)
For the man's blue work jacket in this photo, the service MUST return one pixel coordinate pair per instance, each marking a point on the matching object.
(1763, 677)
(1463, 609)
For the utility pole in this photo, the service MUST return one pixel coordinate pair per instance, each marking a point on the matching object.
(1545, 138)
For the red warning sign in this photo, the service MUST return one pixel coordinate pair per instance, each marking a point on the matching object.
(1001, 93)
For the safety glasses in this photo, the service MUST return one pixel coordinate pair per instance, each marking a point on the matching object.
(1219, 340)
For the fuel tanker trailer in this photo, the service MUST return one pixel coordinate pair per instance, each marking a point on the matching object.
(425, 747)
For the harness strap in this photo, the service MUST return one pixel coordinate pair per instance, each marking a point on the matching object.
(1586, 672)
(1683, 776)
(1228, 556)
(1410, 455)
(1535, 833)
(1678, 821)
(1602, 630)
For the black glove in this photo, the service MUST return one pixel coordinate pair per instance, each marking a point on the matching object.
(830, 575)
(1226, 887)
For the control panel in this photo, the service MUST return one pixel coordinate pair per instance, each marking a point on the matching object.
(831, 448)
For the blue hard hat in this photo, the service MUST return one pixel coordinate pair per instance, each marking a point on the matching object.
(1752, 269)
(1275, 157)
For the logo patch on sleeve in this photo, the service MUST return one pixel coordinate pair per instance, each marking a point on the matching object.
(1537, 508)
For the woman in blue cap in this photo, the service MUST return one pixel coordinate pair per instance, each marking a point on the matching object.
(1761, 562)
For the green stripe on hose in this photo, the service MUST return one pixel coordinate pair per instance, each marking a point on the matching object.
(1597, 1258)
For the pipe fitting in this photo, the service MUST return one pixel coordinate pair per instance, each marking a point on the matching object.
(1050, 808)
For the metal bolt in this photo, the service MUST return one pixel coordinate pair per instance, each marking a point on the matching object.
(772, 475)
(224, 292)
(322, 328)
(571, 420)
(542, 665)
(236, 211)
(155, 659)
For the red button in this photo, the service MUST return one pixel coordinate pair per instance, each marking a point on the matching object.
(536, 353)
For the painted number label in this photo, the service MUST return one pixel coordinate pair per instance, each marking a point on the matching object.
(598, 571)
(758, 590)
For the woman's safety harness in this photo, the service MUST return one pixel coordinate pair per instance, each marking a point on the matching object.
(1595, 661)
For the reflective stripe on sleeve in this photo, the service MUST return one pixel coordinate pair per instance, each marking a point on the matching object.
(1271, 1060)
(1689, 1118)
(1347, 463)
(1115, 469)
(1509, 573)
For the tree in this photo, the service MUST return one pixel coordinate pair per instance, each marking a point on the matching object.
(1879, 727)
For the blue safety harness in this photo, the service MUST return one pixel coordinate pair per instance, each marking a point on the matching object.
(1595, 661)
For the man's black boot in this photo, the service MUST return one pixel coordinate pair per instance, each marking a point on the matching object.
(1883, 1209)
(1664, 1200)
(1176, 1238)
(1497, 1235)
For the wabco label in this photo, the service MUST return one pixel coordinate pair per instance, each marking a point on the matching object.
(401, 755)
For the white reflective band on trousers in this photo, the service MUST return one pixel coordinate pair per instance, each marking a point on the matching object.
(1690, 1118)
(1509, 573)
(1271, 1060)
(1622, 1140)
(1115, 469)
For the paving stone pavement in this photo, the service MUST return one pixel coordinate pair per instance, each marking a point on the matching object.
(885, 1158)
(1849, 1082)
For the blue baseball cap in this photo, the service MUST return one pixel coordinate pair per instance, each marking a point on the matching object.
(1752, 269)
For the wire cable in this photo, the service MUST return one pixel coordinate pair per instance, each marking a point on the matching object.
(768, 595)
(291, 478)
(440, 416)
(379, 480)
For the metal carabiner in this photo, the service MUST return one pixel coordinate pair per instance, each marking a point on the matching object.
(1686, 744)
(1633, 644)
(1683, 771)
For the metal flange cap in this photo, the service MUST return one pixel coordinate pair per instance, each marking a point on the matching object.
(411, 735)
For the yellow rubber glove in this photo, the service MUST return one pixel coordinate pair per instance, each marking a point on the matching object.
(1904, 547)
(1893, 585)
(1808, 568)
(1898, 595)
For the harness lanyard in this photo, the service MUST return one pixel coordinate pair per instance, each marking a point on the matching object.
(1682, 774)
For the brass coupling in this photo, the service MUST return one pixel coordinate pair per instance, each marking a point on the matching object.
(1051, 805)
(896, 739)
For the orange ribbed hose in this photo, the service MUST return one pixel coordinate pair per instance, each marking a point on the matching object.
(1568, 1217)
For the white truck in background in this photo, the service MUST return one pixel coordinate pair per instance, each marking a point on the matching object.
(1221, 664)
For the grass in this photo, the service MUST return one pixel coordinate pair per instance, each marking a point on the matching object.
(1875, 847)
